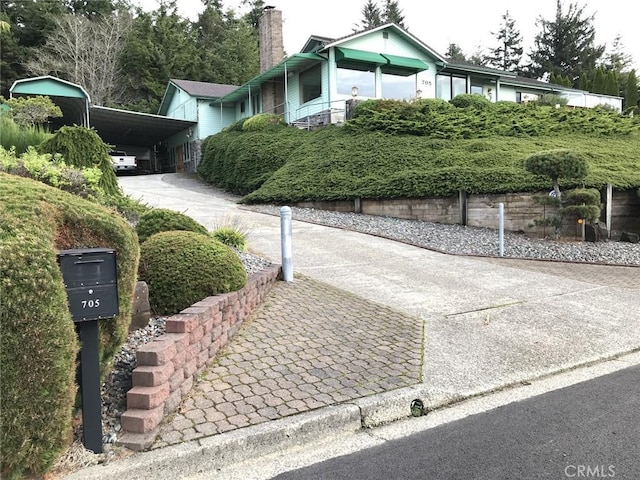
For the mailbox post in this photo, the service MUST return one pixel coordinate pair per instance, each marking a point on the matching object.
(91, 281)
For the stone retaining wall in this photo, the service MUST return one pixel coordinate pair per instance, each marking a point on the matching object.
(168, 366)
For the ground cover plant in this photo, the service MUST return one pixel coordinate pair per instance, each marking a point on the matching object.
(427, 148)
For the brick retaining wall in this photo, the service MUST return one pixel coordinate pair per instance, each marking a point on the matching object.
(168, 366)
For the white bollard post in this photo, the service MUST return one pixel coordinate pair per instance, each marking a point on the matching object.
(501, 227)
(286, 243)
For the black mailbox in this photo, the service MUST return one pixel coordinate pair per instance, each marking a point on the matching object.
(91, 280)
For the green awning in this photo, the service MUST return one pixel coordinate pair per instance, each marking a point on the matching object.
(351, 55)
(405, 62)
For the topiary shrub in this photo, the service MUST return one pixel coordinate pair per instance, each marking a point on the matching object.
(38, 343)
(556, 164)
(163, 220)
(181, 268)
(582, 203)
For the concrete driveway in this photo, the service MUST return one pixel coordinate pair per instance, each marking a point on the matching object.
(487, 323)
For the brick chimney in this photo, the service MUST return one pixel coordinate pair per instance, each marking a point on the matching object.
(271, 42)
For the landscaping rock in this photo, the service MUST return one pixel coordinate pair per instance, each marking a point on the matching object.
(629, 237)
(141, 308)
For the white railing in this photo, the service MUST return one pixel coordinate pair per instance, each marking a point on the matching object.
(319, 113)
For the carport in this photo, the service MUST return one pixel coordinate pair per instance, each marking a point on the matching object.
(141, 134)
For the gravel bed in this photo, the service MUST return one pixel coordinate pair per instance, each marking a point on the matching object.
(458, 239)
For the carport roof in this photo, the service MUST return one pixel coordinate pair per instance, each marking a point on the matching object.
(125, 127)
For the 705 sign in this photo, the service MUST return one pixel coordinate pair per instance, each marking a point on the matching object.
(91, 303)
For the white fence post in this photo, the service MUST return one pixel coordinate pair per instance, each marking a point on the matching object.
(501, 228)
(286, 243)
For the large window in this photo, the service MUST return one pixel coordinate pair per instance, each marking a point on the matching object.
(311, 84)
(449, 86)
(398, 87)
(364, 80)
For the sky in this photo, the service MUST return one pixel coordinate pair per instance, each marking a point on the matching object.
(468, 23)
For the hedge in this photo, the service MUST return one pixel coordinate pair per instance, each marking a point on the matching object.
(37, 337)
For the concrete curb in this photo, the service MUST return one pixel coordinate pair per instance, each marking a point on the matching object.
(333, 422)
(220, 451)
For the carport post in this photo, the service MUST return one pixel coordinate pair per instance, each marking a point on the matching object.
(286, 242)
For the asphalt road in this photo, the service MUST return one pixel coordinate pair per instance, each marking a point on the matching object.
(588, 430)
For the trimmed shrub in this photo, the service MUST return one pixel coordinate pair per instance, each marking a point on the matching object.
(579, 196)
(163, 220)
(582, 203)
(181, 268)
(479, 102)
(38, 344)
(262, 121)
(556, 164)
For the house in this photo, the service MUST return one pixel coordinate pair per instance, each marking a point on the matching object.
(192, 101)
(321, 84)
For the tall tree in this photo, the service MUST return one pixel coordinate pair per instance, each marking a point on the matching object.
(255, 12)
(228, 47)
(565, 45)
(631, 91)
(616, 58)
(374, 16)
(86, 52)
(455, 53)
(508, 54)
(393, 13)
(371, 17)
(161, 46)
(599, 80)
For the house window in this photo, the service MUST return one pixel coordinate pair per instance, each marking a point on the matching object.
(398, 87)
(311, 84)
(364, 80)
(477, 89)
(243, 107)
(449, 86)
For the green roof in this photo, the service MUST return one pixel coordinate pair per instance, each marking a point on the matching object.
(406, 62)
(297, 62)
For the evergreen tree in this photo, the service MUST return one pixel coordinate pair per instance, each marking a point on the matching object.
(631, 91)
(566, 44)
(257, 10)
(611, 83)
(393, 13)
(371, 17)
(161, 46)
(455, 54)
(508, 54)
(599, 81)
(617, 59)
(585, 83)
